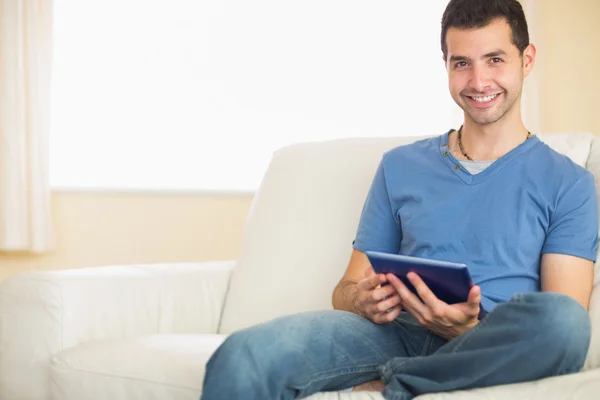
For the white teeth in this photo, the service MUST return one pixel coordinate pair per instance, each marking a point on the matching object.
(484, 99)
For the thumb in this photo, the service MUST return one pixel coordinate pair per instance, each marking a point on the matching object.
(474, 298)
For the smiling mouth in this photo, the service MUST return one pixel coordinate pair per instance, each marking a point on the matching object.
(484, 99)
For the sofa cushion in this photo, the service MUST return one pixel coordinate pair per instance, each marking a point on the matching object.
(147, 367)
(299, 234)
(584, 385)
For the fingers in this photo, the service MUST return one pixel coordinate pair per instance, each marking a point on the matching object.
(423, 290)
(469, 310)
(475, 295)
(387, 316)
(409, 300)
(388, 303)
(383, 292)
(386, 310)
(375, 308)
(430, 311)
(372, 281)
(474, 300)
(377, 303)
(381, 304)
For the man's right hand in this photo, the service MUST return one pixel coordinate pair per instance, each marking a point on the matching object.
(380, 304)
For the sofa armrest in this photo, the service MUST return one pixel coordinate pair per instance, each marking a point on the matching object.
(42, 313)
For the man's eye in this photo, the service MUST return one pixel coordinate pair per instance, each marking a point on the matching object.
(496, 60)
(460, 64)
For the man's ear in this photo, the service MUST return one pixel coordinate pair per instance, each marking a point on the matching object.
(528, 58)
(445, 62)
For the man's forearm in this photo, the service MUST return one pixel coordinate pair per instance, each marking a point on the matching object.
(345, 297)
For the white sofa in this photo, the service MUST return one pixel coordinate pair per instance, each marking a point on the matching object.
(145, 331)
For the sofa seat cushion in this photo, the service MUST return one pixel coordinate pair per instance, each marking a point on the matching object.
(584, 385)
(145, 367)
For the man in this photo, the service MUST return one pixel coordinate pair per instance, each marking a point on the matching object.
(490, 194)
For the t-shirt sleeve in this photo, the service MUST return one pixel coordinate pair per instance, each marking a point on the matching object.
(379, 227)
(573, 226)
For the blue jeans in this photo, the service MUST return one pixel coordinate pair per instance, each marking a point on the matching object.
(534, 335)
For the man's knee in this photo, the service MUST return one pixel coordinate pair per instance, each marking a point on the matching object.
(270, 345)
(252, 348)
(244, 363)
(562, 324)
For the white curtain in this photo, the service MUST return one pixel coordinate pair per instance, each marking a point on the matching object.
(25, 61)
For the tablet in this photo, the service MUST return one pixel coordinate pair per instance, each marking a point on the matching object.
(450, 282)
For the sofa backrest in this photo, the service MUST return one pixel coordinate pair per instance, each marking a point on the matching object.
(593, 358)
(298, 237)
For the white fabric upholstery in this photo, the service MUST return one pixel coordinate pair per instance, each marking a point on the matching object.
(155, 367)
(304, 218)
(582, 386)
(145, 332)
(593, 358)
(44, 313)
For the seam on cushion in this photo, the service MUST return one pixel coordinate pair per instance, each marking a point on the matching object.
(81, 371)
(589, 153)
(62, 322)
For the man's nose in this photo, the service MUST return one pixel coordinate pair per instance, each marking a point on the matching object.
(480, 79)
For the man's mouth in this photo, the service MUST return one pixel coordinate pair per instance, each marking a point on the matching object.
(483, 100)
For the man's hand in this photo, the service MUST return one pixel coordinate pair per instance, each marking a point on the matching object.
(374, 302)
(445, 320)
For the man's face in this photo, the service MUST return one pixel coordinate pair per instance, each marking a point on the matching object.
(486, 71)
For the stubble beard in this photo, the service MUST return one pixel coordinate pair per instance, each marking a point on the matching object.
(492, 115)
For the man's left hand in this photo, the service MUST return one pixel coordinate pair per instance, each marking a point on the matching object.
(445, 320)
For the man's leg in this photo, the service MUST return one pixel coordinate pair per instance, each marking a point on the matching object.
(296, 356)
(533, 336)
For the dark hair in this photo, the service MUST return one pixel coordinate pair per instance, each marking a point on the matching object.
(467, 14)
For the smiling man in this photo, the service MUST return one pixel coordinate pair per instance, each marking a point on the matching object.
(489, 194)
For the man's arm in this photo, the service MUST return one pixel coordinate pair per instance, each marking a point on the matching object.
(345, 294)
(569, 275)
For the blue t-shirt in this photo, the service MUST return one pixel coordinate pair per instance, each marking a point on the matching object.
(531, 201)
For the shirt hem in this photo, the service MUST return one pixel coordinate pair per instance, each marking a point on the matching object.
(591, 256)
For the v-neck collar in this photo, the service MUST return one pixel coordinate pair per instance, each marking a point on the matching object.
(458, 169)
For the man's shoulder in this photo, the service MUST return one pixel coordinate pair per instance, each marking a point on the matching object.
(559, 165)
(416, 148)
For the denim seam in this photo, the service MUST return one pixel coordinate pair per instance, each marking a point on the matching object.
(338, 372)
(391, 370)
(427, 344)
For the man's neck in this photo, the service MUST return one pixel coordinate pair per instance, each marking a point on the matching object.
(490, 142)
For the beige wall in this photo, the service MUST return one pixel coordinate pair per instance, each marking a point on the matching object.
(99, 229)
(103, 228)
(567, 34)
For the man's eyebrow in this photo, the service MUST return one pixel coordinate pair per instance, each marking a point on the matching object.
(454, 58)
(495, 53)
